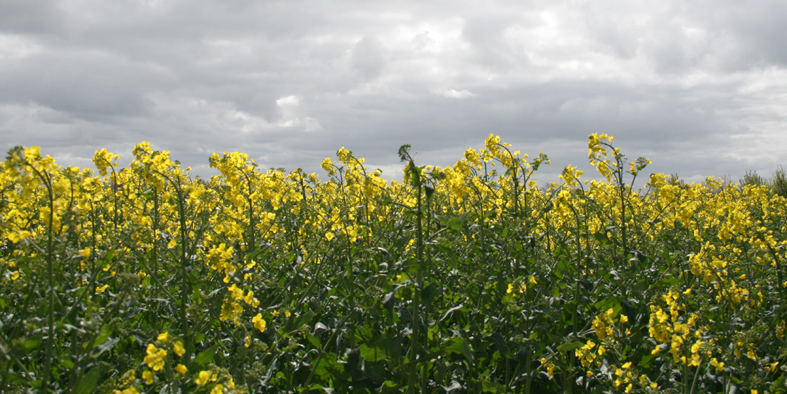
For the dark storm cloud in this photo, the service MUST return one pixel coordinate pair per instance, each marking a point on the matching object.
(700, 88)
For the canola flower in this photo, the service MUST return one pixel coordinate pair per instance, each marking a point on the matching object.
(155, 357)
(586, 281)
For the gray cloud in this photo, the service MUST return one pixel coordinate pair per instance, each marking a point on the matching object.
(700, 88)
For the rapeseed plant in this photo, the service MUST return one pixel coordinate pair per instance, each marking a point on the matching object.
(468, 276)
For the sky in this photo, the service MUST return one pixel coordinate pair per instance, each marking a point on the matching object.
(699, 88)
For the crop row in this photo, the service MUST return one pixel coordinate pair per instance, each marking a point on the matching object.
(468, 278)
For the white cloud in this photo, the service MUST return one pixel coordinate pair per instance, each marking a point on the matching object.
(287, 101)
(14, 46)
(457, 93)
(288, 82)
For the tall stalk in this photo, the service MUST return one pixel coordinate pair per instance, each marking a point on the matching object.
(416, 182)
(185, 280)
(419, 246)
(46, 179)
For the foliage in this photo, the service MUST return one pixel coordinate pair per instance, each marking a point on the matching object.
(464, 278)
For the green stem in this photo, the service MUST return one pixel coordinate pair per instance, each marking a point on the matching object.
(186, 283)
(47, 181)
(414, 344)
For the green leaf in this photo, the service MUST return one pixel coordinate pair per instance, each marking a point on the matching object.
(665, 283)
(87, 383)
(644, 362)
(779, 385)
(67, 363)
(328, 367)
(102, 336)
(364, 333)
(205, 357)
(609, 302)
(373, 353)
(453, 222)
(389, 387)
(457, 345)
(107, 345)
(315, 387)
(28, 344)
(566, 347)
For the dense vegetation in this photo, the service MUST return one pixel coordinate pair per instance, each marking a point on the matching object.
(464, 278)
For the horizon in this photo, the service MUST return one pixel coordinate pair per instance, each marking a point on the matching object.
(700, 89)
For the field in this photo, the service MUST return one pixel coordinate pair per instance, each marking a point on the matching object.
(468, 278)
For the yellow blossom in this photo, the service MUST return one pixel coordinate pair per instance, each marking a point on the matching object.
(147, 376)
(178, 348)
(203, 377)
(259, 322)
(217, 389)
(154, 357)
(163, 337)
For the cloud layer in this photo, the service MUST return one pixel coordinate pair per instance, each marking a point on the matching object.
(700, 88)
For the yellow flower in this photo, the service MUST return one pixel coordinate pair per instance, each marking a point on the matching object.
(101, 289)
(203, 377)
(716, 364)
(155, 357)
(696, 347)
(84, 252)
(178, 348)
(259, 322)
(181, 369)
(147, 376)
(236, 293)
(343, 154)
(217, 389)
(163, 337)
(327, 165)
(15, 275)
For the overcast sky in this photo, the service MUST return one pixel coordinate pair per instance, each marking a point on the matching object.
(699, 87)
